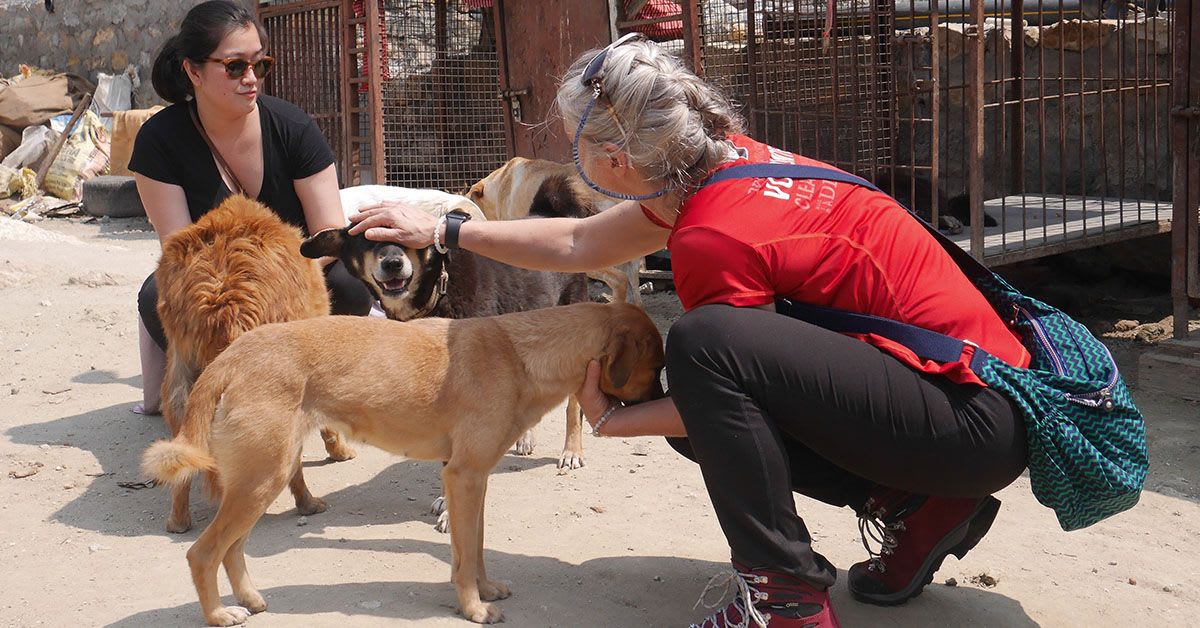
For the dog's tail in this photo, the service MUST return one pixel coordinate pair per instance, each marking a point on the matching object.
(176, 461)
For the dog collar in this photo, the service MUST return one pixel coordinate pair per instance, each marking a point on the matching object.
(443, 284)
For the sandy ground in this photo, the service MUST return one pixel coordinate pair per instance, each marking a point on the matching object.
(627, 540)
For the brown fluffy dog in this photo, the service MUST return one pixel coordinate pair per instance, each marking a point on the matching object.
(236, 268)
(460, 391)
(512, 190)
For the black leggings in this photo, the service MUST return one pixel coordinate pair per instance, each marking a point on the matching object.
(347, 295)
(774, 405)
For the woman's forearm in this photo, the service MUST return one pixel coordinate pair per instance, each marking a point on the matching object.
(614, 236)
(652, 418)
(537, 243)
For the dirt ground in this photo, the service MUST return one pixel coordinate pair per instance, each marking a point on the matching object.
(627, 540)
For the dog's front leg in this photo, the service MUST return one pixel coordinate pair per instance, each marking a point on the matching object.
(526, 443)
(335, 445)
(572, 454)
(489, 590)
(465, 487)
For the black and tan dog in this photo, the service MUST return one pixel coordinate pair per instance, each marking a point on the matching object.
(416, 283)
(459, 391)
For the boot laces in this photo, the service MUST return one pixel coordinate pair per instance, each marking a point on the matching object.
(747, 597)
(872, 528)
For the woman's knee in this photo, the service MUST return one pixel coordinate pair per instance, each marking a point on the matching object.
(699, 332)
(347, 294)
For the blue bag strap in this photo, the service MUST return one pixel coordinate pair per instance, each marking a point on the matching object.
(923, 342)
(927, 344)
(972, 267)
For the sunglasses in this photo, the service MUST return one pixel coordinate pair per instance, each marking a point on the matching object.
(593, 73)
(235, 67)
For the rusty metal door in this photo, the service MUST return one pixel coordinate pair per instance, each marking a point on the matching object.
(1185, 136)
(538, 42)
(306, 37)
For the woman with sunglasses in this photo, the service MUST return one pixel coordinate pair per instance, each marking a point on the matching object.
(766, 404)
(262, 146)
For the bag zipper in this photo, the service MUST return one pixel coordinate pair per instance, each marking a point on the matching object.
(1101, 398)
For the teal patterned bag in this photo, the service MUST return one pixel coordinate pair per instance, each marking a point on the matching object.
(1086, 439)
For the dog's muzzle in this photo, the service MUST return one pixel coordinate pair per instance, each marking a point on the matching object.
(394, 273)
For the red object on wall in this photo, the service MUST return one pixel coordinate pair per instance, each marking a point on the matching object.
(359, 9)
(661, 31)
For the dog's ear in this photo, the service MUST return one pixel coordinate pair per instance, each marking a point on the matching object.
(620, 357)
(326, 243)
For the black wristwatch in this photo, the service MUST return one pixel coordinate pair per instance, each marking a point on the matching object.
(454, 221)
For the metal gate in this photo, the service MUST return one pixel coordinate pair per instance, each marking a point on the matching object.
(307, 38)
(1185, 137)
(1041, 124)
(443, 125)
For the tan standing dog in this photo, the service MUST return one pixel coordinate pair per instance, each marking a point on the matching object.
(236, 268)
(460, 391)
(512, 190)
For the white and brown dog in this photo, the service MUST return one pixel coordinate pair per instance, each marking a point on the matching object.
(522, 187)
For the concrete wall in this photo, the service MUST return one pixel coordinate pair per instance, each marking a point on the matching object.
(87, 37)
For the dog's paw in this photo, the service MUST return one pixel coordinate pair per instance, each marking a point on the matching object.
(180, 526)
(491, 590)
(252, 601)
(483, 613)
(342, 454)
(311, 506)
(570, 460)
(524, 446)
(443, 522)
(439, 505)
(227, 616)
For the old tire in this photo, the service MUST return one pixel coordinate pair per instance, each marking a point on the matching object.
(112, 196)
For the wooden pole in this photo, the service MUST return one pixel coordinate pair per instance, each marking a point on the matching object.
(62, 139)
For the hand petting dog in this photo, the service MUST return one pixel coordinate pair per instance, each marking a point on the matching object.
(389, 221)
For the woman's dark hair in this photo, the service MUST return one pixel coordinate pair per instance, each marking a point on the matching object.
(199, 35)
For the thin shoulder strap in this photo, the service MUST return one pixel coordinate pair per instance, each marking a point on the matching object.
(971, 266)
(238, 187)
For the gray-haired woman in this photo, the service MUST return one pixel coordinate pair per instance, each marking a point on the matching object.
(768, 404)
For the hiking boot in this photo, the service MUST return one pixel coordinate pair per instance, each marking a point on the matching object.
(915, 533)
(768, 599)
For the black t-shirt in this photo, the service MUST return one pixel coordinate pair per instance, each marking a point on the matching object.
(170, 149)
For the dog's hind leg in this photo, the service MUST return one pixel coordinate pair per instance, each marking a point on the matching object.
(241, 507)
(177, 383)
(572, 454)
(249, 490)
(335, 445)
(306, 503)
(465, 486)
(180, 520)
(235, 567)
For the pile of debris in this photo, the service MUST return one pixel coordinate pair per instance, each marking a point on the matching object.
(58, 131)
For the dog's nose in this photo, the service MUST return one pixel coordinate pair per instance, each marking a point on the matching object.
(392, 264)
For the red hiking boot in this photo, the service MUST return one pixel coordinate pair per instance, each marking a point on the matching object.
(916, 534)
(769, 599)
